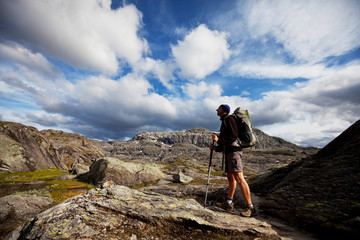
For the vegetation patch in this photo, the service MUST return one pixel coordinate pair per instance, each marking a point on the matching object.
(142, 185)
(312, 205)
(62, 190)
(37, 192)
(37, 175)
(54, 187)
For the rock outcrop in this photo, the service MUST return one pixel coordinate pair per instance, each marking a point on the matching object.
(122, 213)
(122, 173)
(201, 137)
(137, 163)
(24, 148)
(320, 193)
(17, 208)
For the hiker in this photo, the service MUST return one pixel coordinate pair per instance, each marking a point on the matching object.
(228, 144)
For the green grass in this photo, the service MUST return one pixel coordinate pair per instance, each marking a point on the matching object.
(56, 188)
(37, 175)
(61, 190)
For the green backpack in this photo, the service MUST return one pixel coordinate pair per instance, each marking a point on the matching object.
(246, 134)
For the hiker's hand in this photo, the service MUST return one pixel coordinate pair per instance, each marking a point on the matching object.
(214, 137)
(212, 147)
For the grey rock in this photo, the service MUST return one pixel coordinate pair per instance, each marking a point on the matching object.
(80, 168)
(319, 193)
(120, 212)
(24, 148)
(181, 178)
(121, 172)
(17, 208)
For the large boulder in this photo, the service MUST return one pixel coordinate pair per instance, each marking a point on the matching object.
(15, 209)
(121, 172)
(123, 213)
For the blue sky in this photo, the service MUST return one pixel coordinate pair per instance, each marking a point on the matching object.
(109, 70)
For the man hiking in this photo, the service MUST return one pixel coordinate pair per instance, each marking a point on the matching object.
(227, 142)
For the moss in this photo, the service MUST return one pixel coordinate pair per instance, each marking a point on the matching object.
(62, 190)
(3, 125)
(51, 149)
(37, 175)
(142, 185)
(321, 218)
(33, 129)
(217, 173)
(37, 192)
(357, 204)
(59, 190)
(312, 205)
(39, 140)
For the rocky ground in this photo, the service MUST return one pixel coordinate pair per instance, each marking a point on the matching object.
(320, 193)
(171, 169)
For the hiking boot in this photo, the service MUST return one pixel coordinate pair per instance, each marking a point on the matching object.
(226, 206)
(249, 212)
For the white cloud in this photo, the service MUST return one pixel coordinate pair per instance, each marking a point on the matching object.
(84, 33)
(201, 52)
(88, 34)
(271, 70)
(127, 101)
(162, 70)
(318, 109)
(202, 90)
(309, 30)
(23, 57)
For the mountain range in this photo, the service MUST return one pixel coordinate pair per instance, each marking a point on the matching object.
(313, 189)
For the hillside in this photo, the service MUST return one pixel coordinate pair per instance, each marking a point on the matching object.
(24, 148)
(319, 193)
(151, 161)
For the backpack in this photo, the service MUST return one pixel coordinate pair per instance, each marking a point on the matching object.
(246, 134)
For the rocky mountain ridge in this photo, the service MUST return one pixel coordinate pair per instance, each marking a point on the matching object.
(201, 137)
(184, 153)
(24, 148)
(320, 193)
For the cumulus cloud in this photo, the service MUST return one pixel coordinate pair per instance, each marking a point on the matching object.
(321, 108)
(121, 104)
(286, 39)
(162, 70)
(201, 52)
(102, 104)
(202, 90)
(309, 30)
(272, 70)
(23, 57)
(86, 34)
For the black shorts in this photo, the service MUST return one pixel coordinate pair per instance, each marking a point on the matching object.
(233, 162)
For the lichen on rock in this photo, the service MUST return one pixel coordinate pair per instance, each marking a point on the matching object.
(122, 212)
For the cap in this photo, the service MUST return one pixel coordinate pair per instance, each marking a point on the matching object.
(225, 107)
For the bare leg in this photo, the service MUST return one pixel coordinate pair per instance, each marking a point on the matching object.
(232, 185)
(245, 190)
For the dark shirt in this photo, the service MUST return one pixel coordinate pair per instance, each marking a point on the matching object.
(228, 135)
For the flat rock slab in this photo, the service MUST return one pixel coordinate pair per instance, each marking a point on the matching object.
(123, 213)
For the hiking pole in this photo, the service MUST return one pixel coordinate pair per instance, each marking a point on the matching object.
(208, 177)
(223, 159)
